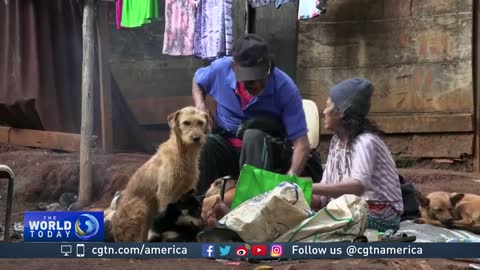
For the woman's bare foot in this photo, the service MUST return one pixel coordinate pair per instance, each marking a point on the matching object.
(219, 210)
(212, 221)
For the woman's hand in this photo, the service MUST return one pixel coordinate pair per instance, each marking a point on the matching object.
(318, 202)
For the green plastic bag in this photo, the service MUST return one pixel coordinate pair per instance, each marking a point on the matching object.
(254, 181)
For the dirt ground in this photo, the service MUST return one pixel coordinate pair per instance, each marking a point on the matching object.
(43, 175)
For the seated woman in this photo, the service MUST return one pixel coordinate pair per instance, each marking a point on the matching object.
(358, 162)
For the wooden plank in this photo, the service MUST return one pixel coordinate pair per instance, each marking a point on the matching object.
(420, 123)
(103, 37)
(386, 10)
(437, 7)
(394, 42)
(139, 66)
(158, 135)
(353, 10)
(424, 123)
(476, 83)
(281, 34)
(86, 133)
(155, 110)
(4, 134)
(42, 139)
(144, 78)
(239, 18)
(151, 111)
(423, 88)
(421, 145)
(432, 145)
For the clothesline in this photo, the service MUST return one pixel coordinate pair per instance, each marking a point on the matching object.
(201, 28)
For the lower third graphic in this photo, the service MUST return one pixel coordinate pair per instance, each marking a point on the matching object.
(208, 250)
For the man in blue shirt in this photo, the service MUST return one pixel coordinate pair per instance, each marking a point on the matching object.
(247, 86)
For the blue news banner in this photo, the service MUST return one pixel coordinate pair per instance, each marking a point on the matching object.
(239, 250)
(80, 235)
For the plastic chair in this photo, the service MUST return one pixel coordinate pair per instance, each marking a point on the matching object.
(312, 116)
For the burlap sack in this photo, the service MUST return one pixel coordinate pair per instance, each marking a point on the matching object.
(269, 215)
(343, 219)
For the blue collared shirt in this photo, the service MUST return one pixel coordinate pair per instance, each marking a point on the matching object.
(280, 98)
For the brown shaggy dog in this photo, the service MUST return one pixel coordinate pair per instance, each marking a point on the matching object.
(164, 178)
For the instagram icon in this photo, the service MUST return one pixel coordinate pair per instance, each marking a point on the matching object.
(276, 250)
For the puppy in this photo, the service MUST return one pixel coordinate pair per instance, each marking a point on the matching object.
(181, 222)
(466, 213)
(164, 178)
(436, 208)
(451, 210)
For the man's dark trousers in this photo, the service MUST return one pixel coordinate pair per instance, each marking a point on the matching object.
(219, 158)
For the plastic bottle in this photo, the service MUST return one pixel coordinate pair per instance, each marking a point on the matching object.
(372, 235)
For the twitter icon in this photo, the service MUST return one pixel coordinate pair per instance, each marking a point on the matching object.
(224, 250)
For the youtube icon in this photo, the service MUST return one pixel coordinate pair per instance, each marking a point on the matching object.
(259, 250)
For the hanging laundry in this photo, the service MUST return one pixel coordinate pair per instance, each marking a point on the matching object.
(308, 9)
(262, 3)
(322, 6)
(118, 13)
(259, 3)
(136, 13)
(179, 27)
(278, 3)
(213, 29)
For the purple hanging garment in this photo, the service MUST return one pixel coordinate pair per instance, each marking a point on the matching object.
(213, 29)
(259, 3)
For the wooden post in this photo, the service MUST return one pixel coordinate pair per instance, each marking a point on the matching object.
(103, 38)
(86, 133)
(297, 29)
(252, 17)
(476, 84)
(247, 17)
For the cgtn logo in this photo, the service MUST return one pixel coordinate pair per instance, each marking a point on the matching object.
(63, 226)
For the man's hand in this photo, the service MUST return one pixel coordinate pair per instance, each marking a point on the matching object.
(301, 151)
(198, 97)
(202, 107)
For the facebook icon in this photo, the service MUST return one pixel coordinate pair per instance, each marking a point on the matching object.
(208, 251)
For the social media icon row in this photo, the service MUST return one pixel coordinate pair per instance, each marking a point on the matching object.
(276, 250)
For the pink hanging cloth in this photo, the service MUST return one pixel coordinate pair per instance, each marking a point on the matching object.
(118, 13)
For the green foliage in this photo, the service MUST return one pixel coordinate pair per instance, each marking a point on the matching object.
(403, 162)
